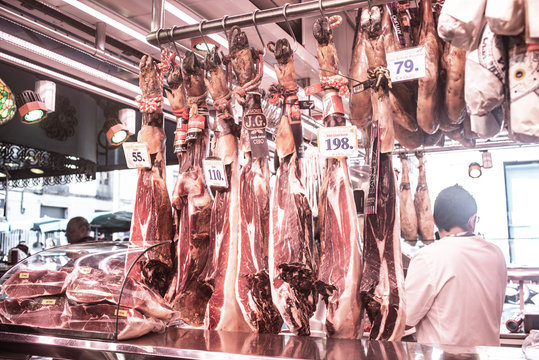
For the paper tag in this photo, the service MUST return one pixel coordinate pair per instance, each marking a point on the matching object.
(24, 275)
(85, 269)
(48, 301)
(294, 118)
(406, 64)
(121, 313)
(332, 104)
(338, 141)
(215, 173)
(136, 155)
(313, 89)
(255, 123)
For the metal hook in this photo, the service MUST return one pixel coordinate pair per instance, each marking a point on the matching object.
(289, 27)
(223, 24)
(321, 7)
(202, 22)
(157, 38)
(257, 31)
(171, 39)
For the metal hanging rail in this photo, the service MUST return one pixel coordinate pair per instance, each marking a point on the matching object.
(293, 11)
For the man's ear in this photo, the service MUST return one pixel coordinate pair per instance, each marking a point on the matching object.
(471, 222)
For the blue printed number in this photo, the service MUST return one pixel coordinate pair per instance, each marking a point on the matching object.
(137, 156)
(408, 65)
(215, 174)
(337, 143)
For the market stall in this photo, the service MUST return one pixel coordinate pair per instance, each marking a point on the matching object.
(301, 200)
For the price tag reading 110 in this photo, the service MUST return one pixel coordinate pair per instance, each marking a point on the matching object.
(339, 141)
(136, 155)
(214, 173)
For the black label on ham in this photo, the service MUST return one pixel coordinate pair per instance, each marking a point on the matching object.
(373, 182)
(255, 122)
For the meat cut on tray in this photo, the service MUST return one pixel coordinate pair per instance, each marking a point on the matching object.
(26, 284)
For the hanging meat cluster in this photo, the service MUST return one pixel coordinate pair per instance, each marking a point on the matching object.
(470, 51)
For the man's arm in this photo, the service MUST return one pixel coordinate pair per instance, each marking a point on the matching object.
(419, 289)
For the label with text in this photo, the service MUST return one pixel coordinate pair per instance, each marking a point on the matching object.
(121, 313)
(408, 64)
(254, 121)
(24, 275)
(48, 301)
(215, 173)
(136, 155)
(338, 141)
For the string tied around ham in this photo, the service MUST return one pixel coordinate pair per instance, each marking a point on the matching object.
(381, 74)
(150, 105)
(183, 113)
(336, 81)
(221, 105)
(335, 21)
(194, 102)
(278, 92)
(240, 92)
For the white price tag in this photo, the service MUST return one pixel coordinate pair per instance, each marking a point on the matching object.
(336, 142)
(214, 173)
(406, 64)
(136, 155)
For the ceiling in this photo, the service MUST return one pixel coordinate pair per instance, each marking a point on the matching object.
(100, 42)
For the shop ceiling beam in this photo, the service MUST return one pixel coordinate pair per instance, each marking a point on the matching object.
(266, 16)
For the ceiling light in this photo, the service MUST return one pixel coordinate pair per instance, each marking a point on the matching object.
(74, 158)
(117, 132)
(11, 164)
(474, 170)
(31, 108)
(37, 171)
(71, 166)
(47, 90)
(3, 174)
(7, 103)
(201, 44)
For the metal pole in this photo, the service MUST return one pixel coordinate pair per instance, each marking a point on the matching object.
(158, 14)
(294, 11)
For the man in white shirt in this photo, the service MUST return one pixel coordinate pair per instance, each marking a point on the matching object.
(455, 288)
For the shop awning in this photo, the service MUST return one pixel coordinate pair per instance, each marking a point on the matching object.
(111, 222)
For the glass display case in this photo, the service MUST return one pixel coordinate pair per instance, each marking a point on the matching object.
(82, 289)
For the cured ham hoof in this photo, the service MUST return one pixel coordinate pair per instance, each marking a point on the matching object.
(283, 51)
(191, 65)
(239, 42)
(148, 77)
(174, 77)
(322, 30)
(212, 61)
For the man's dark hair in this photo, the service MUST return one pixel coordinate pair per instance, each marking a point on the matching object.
(453, 207)
(80, 221)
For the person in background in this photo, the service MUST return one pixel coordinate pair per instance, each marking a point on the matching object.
(78, 230)
(455, 288)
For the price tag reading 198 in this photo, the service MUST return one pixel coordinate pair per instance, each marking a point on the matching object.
(136, 155)
(339, 141)
(406, 64)
(214, 173)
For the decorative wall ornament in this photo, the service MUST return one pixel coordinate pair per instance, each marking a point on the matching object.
(21, 163)
(61, 124)
(7, 103)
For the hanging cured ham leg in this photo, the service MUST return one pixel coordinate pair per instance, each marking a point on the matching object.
(408, 218)
(152, 215)
(339, 234)
(425, 220)
(427, 95)
(291, 243)
(192, 203)
(383, 278)
(231, 294)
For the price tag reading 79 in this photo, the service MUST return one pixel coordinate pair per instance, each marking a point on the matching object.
(406, 64)
(214, 173)
(336, 142)
(136, 155)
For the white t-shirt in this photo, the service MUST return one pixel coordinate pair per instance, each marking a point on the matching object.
(455, 290)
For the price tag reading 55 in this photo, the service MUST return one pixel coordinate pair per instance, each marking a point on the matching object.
(339, 141)
(214, 173)
(406, 64)
(136, 155)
